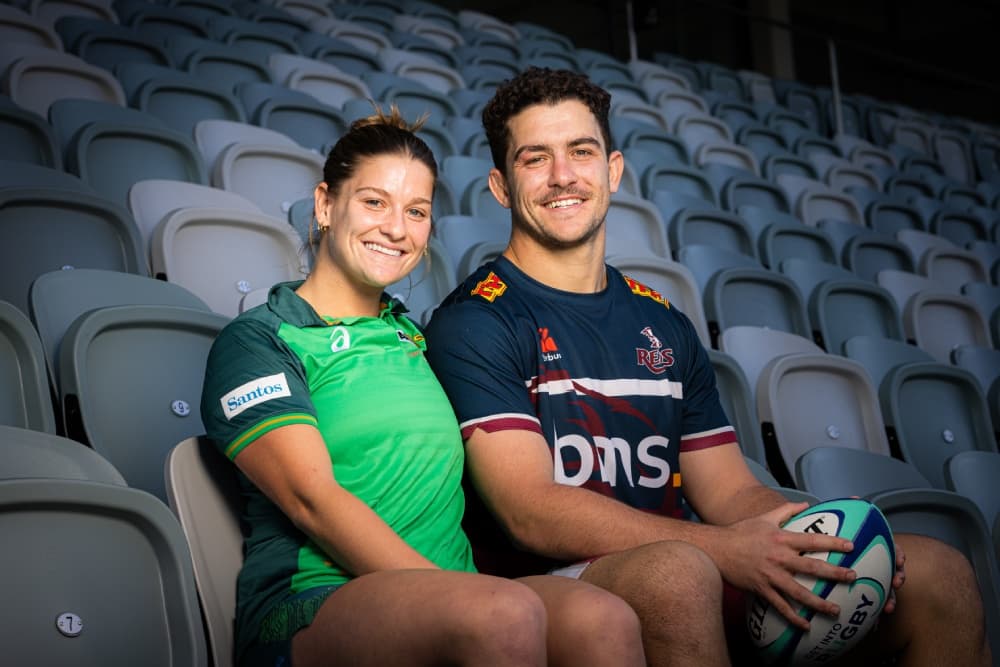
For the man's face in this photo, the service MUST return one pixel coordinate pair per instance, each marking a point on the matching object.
(559, 177)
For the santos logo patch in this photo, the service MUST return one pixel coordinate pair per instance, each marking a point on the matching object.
(254, 393)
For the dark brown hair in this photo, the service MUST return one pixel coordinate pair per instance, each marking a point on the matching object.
(540, 85)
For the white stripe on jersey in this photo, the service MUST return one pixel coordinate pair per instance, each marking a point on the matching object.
(499, 416)
(623, 387)
(709, 433)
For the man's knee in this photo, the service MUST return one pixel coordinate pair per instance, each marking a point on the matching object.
(939, 577)
(667, 574)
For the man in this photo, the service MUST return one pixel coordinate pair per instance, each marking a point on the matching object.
(592, 420)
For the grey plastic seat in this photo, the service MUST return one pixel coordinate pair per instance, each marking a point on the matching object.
(710, 226)
(112, 147)
(295, 114)
(179, 99)
(217, 62)
(459, 171)
(152, 199)
(27, 136)
(250, 37)
(18, 26)
(887, 213)
(35, 77)
(107, 570)
(264, 166)
(427, 285)
(813, 201)
(323, 81)
(634, 224)
(58, 298)
(738, 188)
(806, 399)
(974, 475)
(221, 254)
(134, 418)
(341, 54)
(672, 280)
(765, 477)
(738, 403)
(478, 201)
(107, 44)
(841, 305)
(203, 491)
(937, 320)
(27, 453)
(25, 397)
(902, 495)
(463, 238)
(936, 410)
(866, 252)
(736, 290)
(422, 68)
(51, 220)
(659, 182)
(781, 236)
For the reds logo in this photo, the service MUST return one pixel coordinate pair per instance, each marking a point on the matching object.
(641, 290)
(657, 358)
(490, 287)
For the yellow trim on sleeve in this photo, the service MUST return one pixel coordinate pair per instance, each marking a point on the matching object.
(237, 445)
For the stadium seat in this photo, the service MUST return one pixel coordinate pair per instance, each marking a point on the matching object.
(204, 492)
(709, 226)
(250, 37)
(738, 187)
(25, 397)
(112, 147)
(18, 26)
(935, 319)
(27, 453)
(863, 153)
(300, 116)
(738, 403)
(986, 297)
(133, 418)
(675, 180)
(27, 136)
(474, 20)
(213, 61)
(50, 220)
(777, 165)
(412, 97)
(812, 201)
(841, 174)
(35, 77)
(737, 290)
(464, 239)
(781, 235)
(974, 475)
(634, 224)
(841, 305)
(57, 298)
(264, 166)
(866, 252)
(343, 55)
(362, 36)
(107, 44)
(221, 254)
(323, 81)
(136, 600)
(179, 99)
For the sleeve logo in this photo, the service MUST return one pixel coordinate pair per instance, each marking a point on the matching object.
(490, 287)
(254, 393)
(641, 290)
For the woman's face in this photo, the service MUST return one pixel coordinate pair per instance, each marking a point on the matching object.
(379, 221)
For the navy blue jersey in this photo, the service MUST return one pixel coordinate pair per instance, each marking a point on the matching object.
(617, 382)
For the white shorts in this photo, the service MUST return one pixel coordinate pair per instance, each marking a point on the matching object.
(574, 571)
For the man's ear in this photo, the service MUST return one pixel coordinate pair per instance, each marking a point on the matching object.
(616, 166)
(498, 186)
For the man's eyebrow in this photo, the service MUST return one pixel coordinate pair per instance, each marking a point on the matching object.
(531, 148)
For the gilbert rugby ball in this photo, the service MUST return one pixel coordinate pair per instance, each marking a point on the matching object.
(861, 601)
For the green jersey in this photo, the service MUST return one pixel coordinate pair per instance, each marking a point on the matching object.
(387, 424)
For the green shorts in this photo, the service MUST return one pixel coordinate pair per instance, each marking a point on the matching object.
(273, 645)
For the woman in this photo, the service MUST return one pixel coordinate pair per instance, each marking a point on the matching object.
(352, 458)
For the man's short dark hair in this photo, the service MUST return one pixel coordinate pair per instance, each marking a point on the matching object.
(540, 85)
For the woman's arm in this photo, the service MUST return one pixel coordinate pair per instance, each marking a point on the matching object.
(292, 467)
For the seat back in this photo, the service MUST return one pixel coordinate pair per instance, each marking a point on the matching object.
(105, 573)
(427, 285)
(131, 384)
(25, 398)
(222, 254)
(203, 491)
(57, 298)
(28, 453)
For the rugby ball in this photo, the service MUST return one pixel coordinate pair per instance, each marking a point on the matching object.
(861, 601)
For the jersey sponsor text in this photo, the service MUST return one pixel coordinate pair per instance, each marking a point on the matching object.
(254, 393)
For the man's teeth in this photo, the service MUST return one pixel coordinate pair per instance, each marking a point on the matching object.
(382, 249)
(562, 203)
